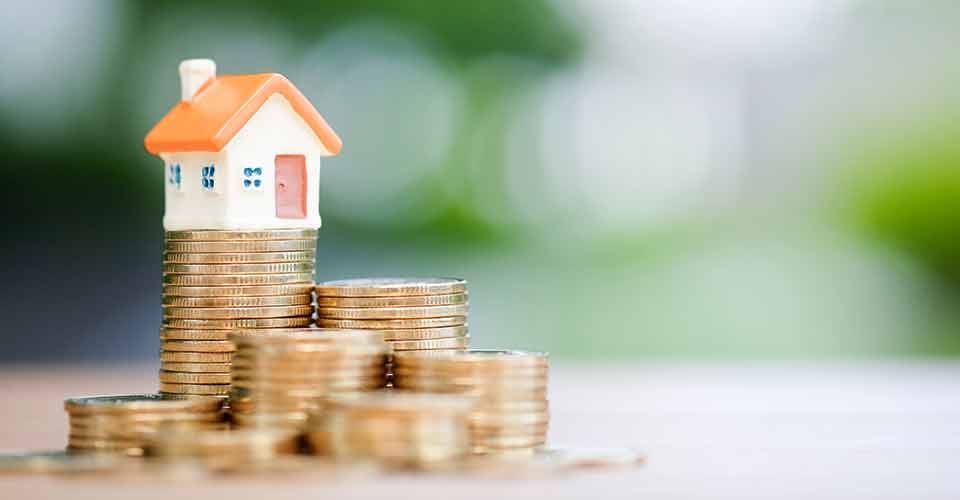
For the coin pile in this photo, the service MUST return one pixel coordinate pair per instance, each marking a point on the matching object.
(126, 423)
(215, 282)
(510, 387)
(412, 313)
(397, 429)
(279, 376)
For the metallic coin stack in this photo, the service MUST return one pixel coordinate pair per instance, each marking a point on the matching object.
(397, 429)
(279, 376)
(215, 282)
(412, 313)
(125, 423)
(512, 412)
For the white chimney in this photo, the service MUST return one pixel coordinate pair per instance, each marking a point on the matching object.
(193, 74)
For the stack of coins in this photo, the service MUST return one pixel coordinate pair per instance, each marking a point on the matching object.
(397, 429)
(125, 423)
(512, 412)
(279, 376)
(412, 313)
(215, 282)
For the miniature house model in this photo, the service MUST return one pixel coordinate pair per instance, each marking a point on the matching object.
(240, 152)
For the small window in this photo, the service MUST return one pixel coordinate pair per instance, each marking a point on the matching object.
(207, 175)
(253, 179)
(174, 177)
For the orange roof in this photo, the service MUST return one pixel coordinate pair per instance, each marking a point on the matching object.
(223, 106)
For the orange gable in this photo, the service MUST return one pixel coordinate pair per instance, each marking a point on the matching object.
(223, 106)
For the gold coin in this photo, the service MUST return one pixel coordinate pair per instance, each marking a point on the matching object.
(425, 333)
(236, 279)
(197, 346)
(293, 336)
(412, 345)
(501, 359)
(496, 442)
(222, 235)
(380, 287)
(239, 257)
(205, 389)
(255, 268)
(413, 301)
(221, 324)
(184, 334)
(240, 246)
(392, 312)
(195, 367)
(60, 461)
(195, 357)
(273, 300)
(194, 378)
(236, 312)
(392, 324)
(237, 291)
(480, 419)
(135, 403)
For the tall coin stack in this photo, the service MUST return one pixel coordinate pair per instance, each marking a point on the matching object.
(215, 282)
(127, 423)
(412, 313)
(278, 377)
(398, 429)
(511, 413)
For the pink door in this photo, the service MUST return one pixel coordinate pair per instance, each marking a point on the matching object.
(291, 186)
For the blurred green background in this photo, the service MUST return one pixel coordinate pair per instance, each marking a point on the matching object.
(617, 179)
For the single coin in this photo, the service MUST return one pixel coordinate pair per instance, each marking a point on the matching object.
(221, 324)
(392, 324)
(239, 257)
(236, 312)
(240, 246)
(221, 235)
(194, 378)
(236, 279)
(184, 334)
(413, 345)
(392, 312)
(412, 301)
(60, 461)
(494, 419)
(425, 333)
(497, 442)
(196, 367)
(205, 389)
(255, 268)
(379, 287)
(197, 346)
(141, 403)
(273, 300)
(482, 357)
(195, 357)
(237, 291)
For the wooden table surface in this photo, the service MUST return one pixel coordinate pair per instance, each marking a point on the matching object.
(837, 430)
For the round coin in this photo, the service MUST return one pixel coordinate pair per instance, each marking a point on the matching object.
(416, 345)
(134, 403)
(413, 301)
(237, 291)
(221, 324)
(237, 312)
(236, 279)
(195, 357)
(222, 235)
(273, 300)
(379, 287)
(240, 246)
(203, 389)
(183, 334)
(194, 378)
(392, 324)
(256, 268)
(239, 257)
(197, 346)
(196, 367)
(425, 333)
(392, 312)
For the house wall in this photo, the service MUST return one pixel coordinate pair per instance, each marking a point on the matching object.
(189, 206)
(275, 129)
